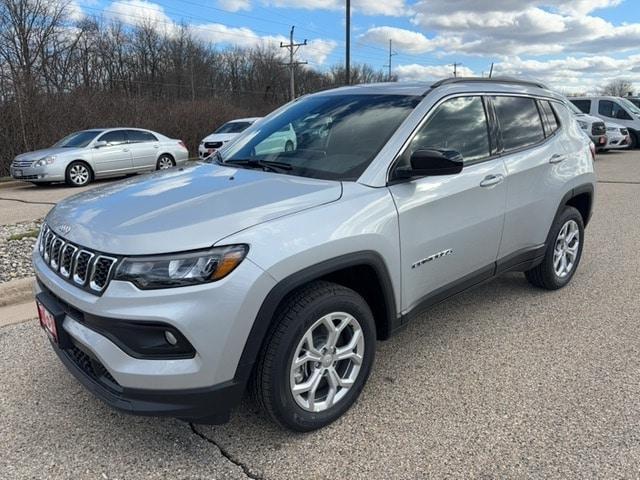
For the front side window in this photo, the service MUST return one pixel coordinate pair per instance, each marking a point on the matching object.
(610, 109)
(78, 139)
(458, 124)
(233, 127)
(115, 137)
(332, 137)
(519, 121)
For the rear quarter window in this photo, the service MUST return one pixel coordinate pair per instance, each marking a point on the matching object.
(519, 121)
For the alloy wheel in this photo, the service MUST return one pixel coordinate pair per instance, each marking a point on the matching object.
(79, 174)
(326, 362)
(164, 163)
(566, 249)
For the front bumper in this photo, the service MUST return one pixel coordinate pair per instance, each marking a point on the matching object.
(215, 318)
(36, 174)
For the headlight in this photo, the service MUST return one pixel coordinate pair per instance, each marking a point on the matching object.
(181, 269)
(45, 161)
(583, 125)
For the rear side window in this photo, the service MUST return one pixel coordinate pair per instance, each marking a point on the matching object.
(549, 119)
(458, 124)
(116, 137)
(137, 136)
(583, 105)
(519, 121)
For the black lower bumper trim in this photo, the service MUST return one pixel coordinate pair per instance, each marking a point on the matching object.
(210, 405)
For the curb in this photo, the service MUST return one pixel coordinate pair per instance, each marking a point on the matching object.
(11, 183)
(16, 291)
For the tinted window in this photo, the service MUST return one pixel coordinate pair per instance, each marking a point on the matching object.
(458, 124)
(233, 127)
(519, 121)
(78, 139)
(611, 109)
(136, 136)
(115, 137)
(583, 105)
(549, 117)
(337, 135)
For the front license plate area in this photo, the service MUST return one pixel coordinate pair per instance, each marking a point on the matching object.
(17, 173)
(51, 316)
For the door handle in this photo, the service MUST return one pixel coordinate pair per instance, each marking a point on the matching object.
(491, 180)
(557, 158)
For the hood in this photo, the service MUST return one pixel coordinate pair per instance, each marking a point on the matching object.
(588, 118)
(220, 137)
(45, 152)
(184, 209)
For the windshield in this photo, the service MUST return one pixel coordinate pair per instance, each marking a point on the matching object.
(78, 139)
(332, 137)
(233, 127)
(630, 106)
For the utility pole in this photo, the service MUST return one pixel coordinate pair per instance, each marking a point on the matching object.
(347, 57)
(491, 71)
(293, 48)
(391, 54)
(455, 68)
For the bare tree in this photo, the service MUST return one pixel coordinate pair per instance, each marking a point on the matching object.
(618, 88)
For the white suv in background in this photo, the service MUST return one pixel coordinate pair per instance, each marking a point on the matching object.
(224, 133)
(617, 137)
(622, 110)
(593, 127)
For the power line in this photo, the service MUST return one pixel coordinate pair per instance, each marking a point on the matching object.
(391, 54)
(293, 48)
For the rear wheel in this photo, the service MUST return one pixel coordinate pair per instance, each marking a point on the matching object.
(165, 162)
(317, 358)
(78, 174)
(563, 253)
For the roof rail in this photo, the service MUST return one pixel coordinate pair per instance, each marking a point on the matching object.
(511, 80)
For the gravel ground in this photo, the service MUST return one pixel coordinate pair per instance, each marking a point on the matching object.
(15, 255)
(505, 381)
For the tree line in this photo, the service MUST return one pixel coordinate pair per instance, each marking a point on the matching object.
(59, 75)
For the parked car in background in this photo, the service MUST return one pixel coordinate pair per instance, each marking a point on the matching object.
(84, 156)
(284, 140)
(617, 137)
(593, 127)
(618, 109)
(634, 100)
(224, 134)
(284, 269)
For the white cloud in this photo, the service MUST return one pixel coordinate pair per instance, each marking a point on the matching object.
(140, 12)
(393, 8)
(403, 40)
(418, 73)
(235, 5)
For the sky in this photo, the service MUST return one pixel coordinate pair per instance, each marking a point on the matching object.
(576, 46)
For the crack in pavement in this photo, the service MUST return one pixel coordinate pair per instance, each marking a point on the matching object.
(623, 182)
(226, 454)
(26, 201)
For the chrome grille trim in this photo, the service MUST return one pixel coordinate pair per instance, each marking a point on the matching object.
(22, 163)
(85, 268)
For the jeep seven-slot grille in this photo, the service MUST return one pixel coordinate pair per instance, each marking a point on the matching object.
(84, 268)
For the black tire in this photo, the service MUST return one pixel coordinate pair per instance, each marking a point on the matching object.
(163, 160)
(288, 147)
(544, 275)
(298, 312)
(73, 180)
(633, 139)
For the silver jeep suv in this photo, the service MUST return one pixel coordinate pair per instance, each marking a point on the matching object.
(277, 273)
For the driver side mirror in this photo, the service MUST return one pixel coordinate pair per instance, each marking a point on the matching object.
(100, 144)
(432, 162)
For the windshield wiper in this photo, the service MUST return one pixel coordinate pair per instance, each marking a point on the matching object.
(266, 165)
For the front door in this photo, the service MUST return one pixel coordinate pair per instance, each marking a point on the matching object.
(450, 226)
(114, 156)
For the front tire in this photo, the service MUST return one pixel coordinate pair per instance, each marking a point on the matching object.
(165, 162)
(317, 357)
(563, 252)
(78, 174)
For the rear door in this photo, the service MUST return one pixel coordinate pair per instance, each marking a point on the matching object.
(144, 148)
(534, 156)
(113, 157)
(450, 225)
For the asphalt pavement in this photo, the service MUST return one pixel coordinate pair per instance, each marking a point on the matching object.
(504, 381)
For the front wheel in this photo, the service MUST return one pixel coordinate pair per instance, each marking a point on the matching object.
(317, 358)
(78, 174)
(563, 252)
